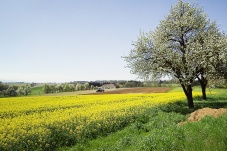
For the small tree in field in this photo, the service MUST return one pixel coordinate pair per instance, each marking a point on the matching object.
(184, 46)
(46, 88)
(27, 90)
(60, 88)
(20, 91)
(66, 88)
(86, 86)
(11, 91)
(92, 87)
(72, 87)
(78, 87)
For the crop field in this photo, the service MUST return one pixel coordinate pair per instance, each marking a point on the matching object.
(39, 91)
(49, 122)
(137, 90)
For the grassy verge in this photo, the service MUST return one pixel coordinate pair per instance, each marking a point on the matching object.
(162, 133)
(157, 129)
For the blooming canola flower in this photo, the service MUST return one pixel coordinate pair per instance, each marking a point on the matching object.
(33, 120)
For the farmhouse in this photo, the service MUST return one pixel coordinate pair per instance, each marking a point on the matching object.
(109, 86)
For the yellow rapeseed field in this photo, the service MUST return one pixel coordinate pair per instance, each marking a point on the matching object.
(46, 122)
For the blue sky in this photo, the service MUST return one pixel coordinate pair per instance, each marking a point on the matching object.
(71, 40)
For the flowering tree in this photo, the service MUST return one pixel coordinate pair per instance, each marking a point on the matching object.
(86, 86)
(184, 46)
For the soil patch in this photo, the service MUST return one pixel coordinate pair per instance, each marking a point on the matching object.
(137, 90)
(199, 114)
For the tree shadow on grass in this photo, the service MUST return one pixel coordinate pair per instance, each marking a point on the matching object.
(181, 107)
(178, 107)
(211, 102)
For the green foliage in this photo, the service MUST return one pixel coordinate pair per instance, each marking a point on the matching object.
(3, 86)
(11, 91)
(78, 87)
(66, 88)
(86, 86)
(164, 83)
(60, 88)
(20, 91)
(54, 88)
(82, 87)
(27, 90)
(72, 87)
(130, 84)
(92, 87)
(47, 88)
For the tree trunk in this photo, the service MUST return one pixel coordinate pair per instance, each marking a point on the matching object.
(190, 97)
(203, 84)
(188, 92)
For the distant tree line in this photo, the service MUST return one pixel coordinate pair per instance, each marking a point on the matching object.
(73, 86)
(12, 90)
(130, 84)
(66, 87)
(151, 83)
(118, 83)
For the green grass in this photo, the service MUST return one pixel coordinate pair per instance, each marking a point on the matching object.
(157, 129)
(179, 89)
(37, 90)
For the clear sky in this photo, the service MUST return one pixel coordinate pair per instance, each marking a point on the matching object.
(72, 40)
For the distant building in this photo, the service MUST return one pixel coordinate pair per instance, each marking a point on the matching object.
(108, 86)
